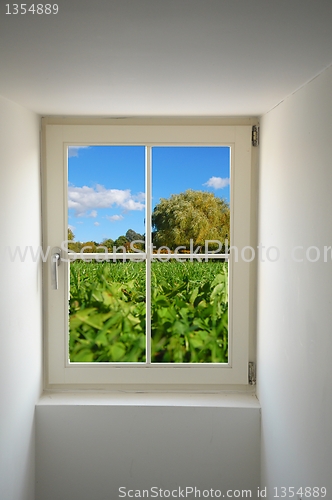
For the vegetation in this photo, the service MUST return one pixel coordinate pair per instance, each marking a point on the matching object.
(196, 215)
(189, 312)
(121, 242)
(189, 308)
(189, 303)
(107, 311)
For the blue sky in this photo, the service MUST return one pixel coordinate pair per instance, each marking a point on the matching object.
(106, 184)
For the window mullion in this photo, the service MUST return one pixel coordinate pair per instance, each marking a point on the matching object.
(148, 249)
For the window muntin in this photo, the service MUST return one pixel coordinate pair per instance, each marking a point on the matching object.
(58, 138)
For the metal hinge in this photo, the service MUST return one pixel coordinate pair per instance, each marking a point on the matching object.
(255, 135)
(252, 373)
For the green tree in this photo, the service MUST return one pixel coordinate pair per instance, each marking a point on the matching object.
(108, 243)
(73, 246)
(121, 241)
(131, 235)
(71, 235)
(196, 215)
(89, 247)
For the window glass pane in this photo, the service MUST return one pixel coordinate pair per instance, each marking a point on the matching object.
(107, 311)
(190, 196)
(106, 213)
(189, 304)
(106, 193)
(189, 299)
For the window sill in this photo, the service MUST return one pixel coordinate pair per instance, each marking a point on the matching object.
(225, 400)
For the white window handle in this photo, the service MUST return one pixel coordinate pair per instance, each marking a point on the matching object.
(55, 262)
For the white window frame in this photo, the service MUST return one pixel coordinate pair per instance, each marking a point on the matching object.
(59, 372)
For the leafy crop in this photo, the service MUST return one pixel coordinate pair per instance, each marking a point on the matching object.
(189, 312)
(107, 312)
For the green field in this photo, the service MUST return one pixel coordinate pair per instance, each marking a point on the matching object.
(189, 312)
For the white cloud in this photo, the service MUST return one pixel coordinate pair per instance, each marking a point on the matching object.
(217, 182)
(73, 150)
(114, 218)
(92, 214)
(82, 199)
(139, 197)
(96, 223)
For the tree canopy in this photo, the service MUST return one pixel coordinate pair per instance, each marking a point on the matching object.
(108, 243)
(122, 241)
(196, 215)
(131, 235)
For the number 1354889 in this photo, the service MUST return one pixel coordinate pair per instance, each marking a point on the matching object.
(306, 492)
(34, 8)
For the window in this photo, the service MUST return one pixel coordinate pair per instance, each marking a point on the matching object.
(67, 361)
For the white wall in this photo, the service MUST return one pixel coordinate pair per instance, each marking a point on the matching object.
(295, 298)
(20, 300)
(88, 452)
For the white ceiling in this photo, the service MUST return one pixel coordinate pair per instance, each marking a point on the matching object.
(163, 57)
